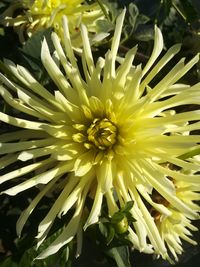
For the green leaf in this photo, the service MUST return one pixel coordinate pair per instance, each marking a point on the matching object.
(111, 234)
(61, 257)
(28, 259)
(104, 25)
(8, 262)
(167, 4)
(145, 33)
(103, 229)
(127, 206)
(120, 255)
(133, 14)
(31, 54)
(142, 19)
(66, 257)
(113, 8)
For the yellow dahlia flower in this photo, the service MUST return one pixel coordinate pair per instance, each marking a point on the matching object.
(40, 14)
(177, 226)
(107, 132)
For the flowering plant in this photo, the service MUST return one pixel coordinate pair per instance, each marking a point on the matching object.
(108, 141)
(38, 15)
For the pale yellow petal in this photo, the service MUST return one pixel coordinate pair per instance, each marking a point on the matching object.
(54, 71)
(7, 160)
(14, 147)
(69, 231)
(43, 178)
(22, 123)
(158, 47)
(23, 170)
(84, 163)
(27, 212)
(105, 175)
(96, 208)
(162, 62)
(48, 220)
(116, 41)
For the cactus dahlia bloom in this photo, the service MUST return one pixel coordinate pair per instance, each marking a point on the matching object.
(107, 132)
(177, 226)
(40, 14)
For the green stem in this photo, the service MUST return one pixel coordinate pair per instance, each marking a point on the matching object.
(178, 9)
(103, 9)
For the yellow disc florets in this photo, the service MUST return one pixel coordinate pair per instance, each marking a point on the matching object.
(37, 15)
(48, 7)
(102, 133)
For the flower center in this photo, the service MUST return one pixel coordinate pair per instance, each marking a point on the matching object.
(102, 133)
(38, 7)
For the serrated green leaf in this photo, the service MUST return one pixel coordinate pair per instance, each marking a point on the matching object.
(32, 47)
(133, 14)
(31, 54)
(104, 25)
(142, 19)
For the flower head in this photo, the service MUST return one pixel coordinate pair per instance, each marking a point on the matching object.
(106, 133)
(36, 15)
(176, 227)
